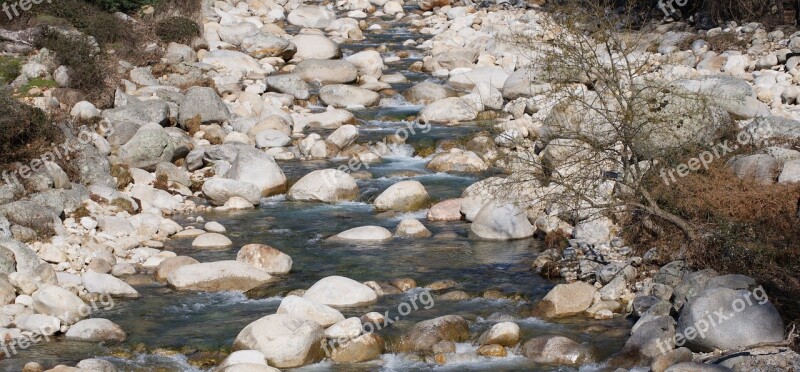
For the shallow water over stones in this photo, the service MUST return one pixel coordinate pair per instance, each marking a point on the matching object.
(170, 331)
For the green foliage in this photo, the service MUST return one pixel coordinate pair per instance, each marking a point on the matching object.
(9, 69)
(104, 27)
(120, 5)
(38, 83)
(24, 130)
(79, 53)
(177, 29)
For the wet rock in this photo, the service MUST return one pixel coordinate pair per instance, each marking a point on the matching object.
(457, 161)
(217, 276)
(448, 210)
(426, 92)
(346, 329)
(423, 335)
(342, 96)
(361, 349)
(343, 136)
(338, 291)
(411, 227)
(501, 222)
(748, 318)
(403, 196)
(504, 333)
(306, 309)
(287, 341)
(265, 258)
(211, 240)
(96, 330)
(455, 296)
(664, 361)
(492, 350)
(326, 185)
(567, 300)
(556, 350)
(99, 365)
(364, 233)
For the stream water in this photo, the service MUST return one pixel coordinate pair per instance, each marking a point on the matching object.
(163, 321)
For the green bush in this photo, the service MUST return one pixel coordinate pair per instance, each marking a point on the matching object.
(24, 130)
(177, 29)
(120, 5)
(104, 27)
(9, 69)
(80, 54)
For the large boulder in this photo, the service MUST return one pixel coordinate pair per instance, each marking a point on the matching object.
(360, 349)
(306, 309)
(732, 94)
(58, 302)
(426, 92)
(457, 160)
(324, 185)
(96, 330)
(16, 257)
(403, 196)
(448, 210)
(311, 16)
(233, 61)
(32, 215)
(264, 44)
(291, 84)
(520, 84)
(286, 340)
(171, 264)
(556, 350)
(450, 110)
(149, 146)
(340, 95)
(205, 103)
(338, 291)
(149, 111)
(423, 335)
(312, 46)
(368, 62)
(747, 318)
(220, 190)
(761, 167)
(501, 222)
(503, 333)
(364, 233)
(324, 71)
(265, 258)
(217, 276)
(211, 240)
(493, 75)
(566, 300)
(258, 168)
(343, 136)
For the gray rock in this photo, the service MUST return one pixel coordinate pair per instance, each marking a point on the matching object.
(151, 145)
(33, 216)
(425, 334)
(501, 222)
(324, 71)
(734, 95)
(150, 111)
(204, 102)
(556, 350)
(761, 167)
(426, 92)
(173, 173)
(219, 190)
(341, 96)
(96, 330)
(264, 44)
(291, 84)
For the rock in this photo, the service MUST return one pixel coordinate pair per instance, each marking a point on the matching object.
(311, 46)
(114, 225)
(219, 190)
(411, 227)
(368, 63)
(96, 330)
(492, 351)
(306, 309)
(84, 110)
(501, 222)
(450, 110)
(431, 4)
(457, 161)
(263, 44)
(38, 323)
(17, 256)
(521, 83)
(732, 94)
(287, 341)
(149, 146)
(265, 258)
(234, 62)
(324, 71)
(338, 291)
(42, 220)
(211, 240)
(325, 185)
(504, 333)
(149, 111)
(748, 319)
(330, 119)
(761, 167)
(650, 338)
(217, 276)
(664, 361)
(311, 16)
(251, 357)
(95, 282)
(99, 365)
(214, 227)
(171, 264)
(204, 102)
(361, 349)
(364, 233)
(697, 367)
(403, 196)
(448, 210)
(594, 231)
(342, 96)
(58, 302)
(426, 92)
(424, 335)
(271, 138)
(556, 350)
(346, 329)
(494, 75)
(566, 300)
(790, 172)
(173, 173)
(260, 169)
(345, 136)
(291, 84)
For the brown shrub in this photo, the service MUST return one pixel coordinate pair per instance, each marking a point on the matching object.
(25, 131)
(122, 173)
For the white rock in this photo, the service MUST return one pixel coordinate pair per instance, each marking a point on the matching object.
(364, 233)
(309, 310)
(338, 291)
(211, 240)
(325, 185)
(287, 341)
(95, 282)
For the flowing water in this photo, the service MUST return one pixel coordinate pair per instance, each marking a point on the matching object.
(164, 321)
